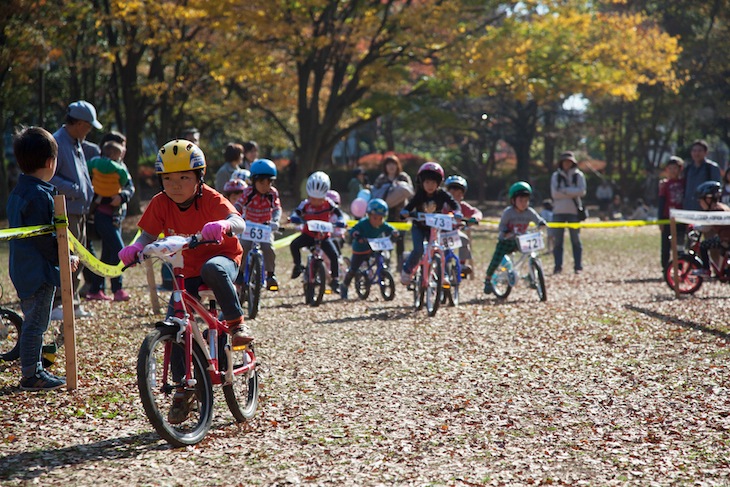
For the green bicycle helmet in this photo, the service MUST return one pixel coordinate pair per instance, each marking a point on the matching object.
(520, 188)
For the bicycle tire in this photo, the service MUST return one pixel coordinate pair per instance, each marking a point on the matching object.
(320, 282)
(387, 285)
(501, 283)
(11, 325)
(156, 395)
(454, 274)
(254, 285)
(362, 284)
(434, 289)
(538, 278)
(688, 283)
(418, 290)
(244, 386)
(308, 286)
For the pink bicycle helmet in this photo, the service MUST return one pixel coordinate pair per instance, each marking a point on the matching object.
(234, 186)
(431, 170)
(334, 196)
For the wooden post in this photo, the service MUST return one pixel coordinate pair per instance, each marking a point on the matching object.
(67, 298)
(153, 286)
(675, 256)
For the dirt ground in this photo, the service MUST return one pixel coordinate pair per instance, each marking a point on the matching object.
(610, 382)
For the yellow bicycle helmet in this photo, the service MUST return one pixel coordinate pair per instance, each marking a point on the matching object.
(179, 155)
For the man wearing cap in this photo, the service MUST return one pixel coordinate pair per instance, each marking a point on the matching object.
(73, 181)
(567, 187)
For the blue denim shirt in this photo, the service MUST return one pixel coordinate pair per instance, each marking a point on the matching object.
(33, 260)
(72, 174)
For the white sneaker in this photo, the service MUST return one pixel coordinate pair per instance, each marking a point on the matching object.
(405, 278)
(57, 313)
(79, 312)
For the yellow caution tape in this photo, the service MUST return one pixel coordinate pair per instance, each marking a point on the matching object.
(283, 242)
(92, 263)
(25, 232)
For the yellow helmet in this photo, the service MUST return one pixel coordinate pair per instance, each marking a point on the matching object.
(179, 155)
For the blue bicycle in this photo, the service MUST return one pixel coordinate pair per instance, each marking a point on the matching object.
(249, 290)
(375, 270)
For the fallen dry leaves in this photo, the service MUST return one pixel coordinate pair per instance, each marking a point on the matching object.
(610, 382)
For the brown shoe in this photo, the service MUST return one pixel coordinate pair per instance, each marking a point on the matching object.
(182, 404)
(240, 337)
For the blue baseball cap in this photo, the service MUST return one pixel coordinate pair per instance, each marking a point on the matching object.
(83, 110)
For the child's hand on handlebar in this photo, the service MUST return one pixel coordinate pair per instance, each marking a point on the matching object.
(215, 230)
(130, 254)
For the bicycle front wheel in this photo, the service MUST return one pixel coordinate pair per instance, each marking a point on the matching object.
(538, 278)
(501, 282)
(254, 285)
(453, 273)
(418, 288)
(689, 283)
(242, 396)
(387, 285)
(10, 325)
(433, 290)
(157, 386)
(319, 282)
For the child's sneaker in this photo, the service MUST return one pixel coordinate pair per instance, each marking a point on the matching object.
(335, 286)
(42, 381)
(272, 284)
(488, 289)
(121, 295)
(98, 296)
(405, 278)
(182, 404)
(240, 337)
(297, 271)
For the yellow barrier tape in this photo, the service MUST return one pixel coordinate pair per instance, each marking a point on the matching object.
(596, 224)
(92, 263)
(283, 242)
(25, 232)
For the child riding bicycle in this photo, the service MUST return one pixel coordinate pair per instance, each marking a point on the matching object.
(457, 186)
(373, 226)
(317, 207)
(716, 236)
(260, 203)
(429, 198)
(187, 206)
(515, 220)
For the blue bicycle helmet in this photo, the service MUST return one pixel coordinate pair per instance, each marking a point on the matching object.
(263, 168)
(457, 181)
(708, 188)
(377, 206)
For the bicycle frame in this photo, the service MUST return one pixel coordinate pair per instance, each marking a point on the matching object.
(254, 251)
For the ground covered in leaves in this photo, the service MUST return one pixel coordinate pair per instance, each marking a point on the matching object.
(610, 382)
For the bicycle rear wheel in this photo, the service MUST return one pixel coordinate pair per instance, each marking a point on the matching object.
(362, 284)
(538, 278)
(157, 387)
(254, 285)
(242, 396)
(10, 325)
(319, 282)
(434, 290)
(387, 285)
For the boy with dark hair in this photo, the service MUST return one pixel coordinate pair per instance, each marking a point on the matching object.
(34, 261)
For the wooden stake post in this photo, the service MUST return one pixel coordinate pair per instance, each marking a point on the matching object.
(67, 298)
(675, 256)
(152, 286)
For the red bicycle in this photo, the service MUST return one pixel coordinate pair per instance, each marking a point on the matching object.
(690, 265)
(179, 358)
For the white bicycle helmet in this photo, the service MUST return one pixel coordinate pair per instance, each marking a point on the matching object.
(318, 184)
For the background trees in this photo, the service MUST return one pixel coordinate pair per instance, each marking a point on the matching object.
(448, 80)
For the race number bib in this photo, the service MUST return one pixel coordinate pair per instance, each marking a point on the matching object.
(451, 240)
(256, 232)
(379, 244)
(319, 226)
(437, 220)
(531, 242)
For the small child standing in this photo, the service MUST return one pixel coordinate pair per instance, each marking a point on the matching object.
(457, 186)
(317, 207)
(429, 198)
(112, 190)
(671, 195)
(34, 261)
(514, 222)
(260, 203)
(373, 226)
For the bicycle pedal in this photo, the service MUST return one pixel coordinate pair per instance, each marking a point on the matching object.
(328, 291)
(274, 288)
(446, 286)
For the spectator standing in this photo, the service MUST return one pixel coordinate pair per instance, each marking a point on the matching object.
(725, 195)
(357, 183)
(192, 134)
(72, 180)
(250, 154)
(395, 187)
(699, 171)
(567, 187)
(233, 156)
(604, 195)
(671, 195)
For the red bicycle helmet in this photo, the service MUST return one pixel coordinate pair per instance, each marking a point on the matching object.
(431, 170)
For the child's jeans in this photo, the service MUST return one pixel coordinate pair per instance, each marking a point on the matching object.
(355, 263)
(328, 247)
(37, 317)
(418, 235)
(111, 243)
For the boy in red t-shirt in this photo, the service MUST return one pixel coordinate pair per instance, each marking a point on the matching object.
(671, 195)
(317, 207)
(260, 203)
(187, 206)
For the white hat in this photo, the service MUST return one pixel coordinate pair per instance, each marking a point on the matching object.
(83, 110)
